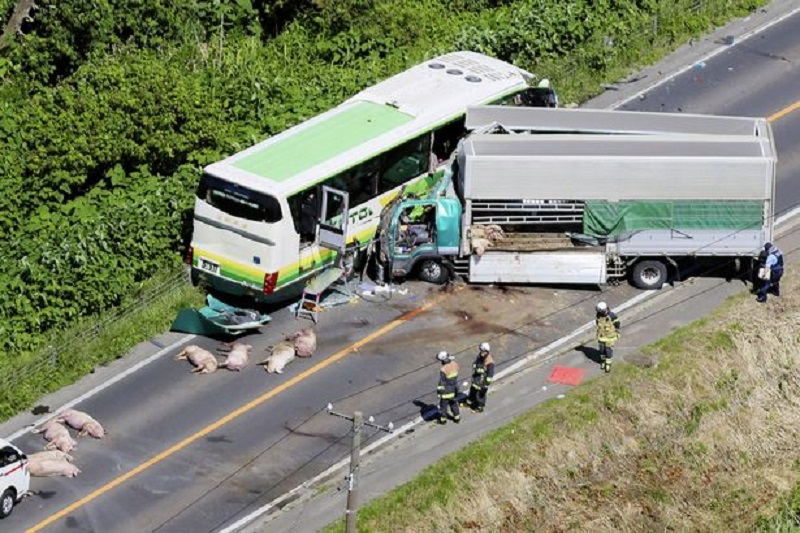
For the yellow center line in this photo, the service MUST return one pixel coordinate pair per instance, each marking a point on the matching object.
(234, 414)
(783, 112)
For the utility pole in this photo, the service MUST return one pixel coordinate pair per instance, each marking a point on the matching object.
(355, 461)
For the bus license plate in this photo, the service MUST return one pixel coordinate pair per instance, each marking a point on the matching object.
(209, 266)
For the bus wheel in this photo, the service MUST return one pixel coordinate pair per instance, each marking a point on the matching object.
(432, 271)
(649, 275)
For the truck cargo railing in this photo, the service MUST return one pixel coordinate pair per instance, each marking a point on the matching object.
(526, 212)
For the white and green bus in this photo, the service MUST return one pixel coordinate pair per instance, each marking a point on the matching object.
(268, 218)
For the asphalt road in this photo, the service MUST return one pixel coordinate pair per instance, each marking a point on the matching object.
(168, 465)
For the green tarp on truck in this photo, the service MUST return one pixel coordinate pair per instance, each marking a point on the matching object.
(607, 219)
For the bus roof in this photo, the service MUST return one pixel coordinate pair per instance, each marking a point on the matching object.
(371, 122)
(355, 125)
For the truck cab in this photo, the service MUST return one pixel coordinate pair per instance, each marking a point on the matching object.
(14, 477)
(420, 237)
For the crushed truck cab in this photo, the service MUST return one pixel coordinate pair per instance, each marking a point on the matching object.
(420, 235)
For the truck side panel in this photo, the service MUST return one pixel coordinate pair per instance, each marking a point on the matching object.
(689, 242)
(617, 178)
(576, 267)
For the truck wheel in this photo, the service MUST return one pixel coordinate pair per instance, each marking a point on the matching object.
(649, 275)
(432, 271)
(7, 503)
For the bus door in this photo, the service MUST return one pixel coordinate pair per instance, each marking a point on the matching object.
(333, 217)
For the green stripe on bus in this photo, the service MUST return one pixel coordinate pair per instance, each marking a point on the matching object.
(324, 140)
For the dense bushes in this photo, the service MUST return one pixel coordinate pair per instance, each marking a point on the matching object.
(108, 111)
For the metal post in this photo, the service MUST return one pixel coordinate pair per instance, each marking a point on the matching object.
(352, 486)
(355, 462)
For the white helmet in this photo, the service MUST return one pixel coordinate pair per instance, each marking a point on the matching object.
(443, 356)
(601, 307)
(484, 347)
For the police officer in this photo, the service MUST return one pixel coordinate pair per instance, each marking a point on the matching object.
(607, 334)
(773, 271)
(482, 377)
(448, 387)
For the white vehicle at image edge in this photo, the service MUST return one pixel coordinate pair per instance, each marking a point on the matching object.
(14, 477)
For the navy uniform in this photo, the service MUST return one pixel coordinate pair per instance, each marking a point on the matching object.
(482, 377)
(771, 272)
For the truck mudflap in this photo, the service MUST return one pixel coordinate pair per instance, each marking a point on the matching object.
(571, 266)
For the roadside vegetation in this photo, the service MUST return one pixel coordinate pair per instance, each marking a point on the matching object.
(701, 437)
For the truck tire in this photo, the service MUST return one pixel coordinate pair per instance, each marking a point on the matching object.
(7, 503)
(433, 271)
(649, 275)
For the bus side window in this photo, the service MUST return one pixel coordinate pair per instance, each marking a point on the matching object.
(305, 211)
(404, 163)
(446, 138)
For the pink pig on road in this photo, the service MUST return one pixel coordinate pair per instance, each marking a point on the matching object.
(52, 467)
(203, 360)
(57, 436)
(282, 355)
(238, 354)
(82, 422)
(305, 342)
(50, 454)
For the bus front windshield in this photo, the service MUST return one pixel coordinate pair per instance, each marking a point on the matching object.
(238, 201)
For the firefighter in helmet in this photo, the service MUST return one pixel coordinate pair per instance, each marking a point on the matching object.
(607, 334)
(482, 377)
(447, 389)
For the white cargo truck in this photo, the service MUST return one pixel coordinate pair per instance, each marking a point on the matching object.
(557, 196)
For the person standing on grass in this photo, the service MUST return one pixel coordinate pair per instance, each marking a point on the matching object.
(607, 334)
(771, 273)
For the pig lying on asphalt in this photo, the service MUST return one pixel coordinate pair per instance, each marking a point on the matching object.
(57, 436)
(305, 342)
(82, 422)
(282, 355)
(50, 454)
(237, 356)
(52, 467)
(203, 360)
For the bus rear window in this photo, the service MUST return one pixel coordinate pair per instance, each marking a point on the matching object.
(238, 201)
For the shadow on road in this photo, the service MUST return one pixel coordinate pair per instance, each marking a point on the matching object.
(590, 352)
(427, 411)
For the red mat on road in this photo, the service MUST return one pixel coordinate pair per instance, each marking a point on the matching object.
(566, 375)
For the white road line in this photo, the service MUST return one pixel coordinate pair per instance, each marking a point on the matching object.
(104, 386)
(787, 216)
(713, 53)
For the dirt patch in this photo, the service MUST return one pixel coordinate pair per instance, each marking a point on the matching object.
(642, 360)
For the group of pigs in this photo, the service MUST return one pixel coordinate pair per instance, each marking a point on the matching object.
(302, 343)
(56, 460)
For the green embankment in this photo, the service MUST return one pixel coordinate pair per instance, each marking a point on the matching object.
(700, 437)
